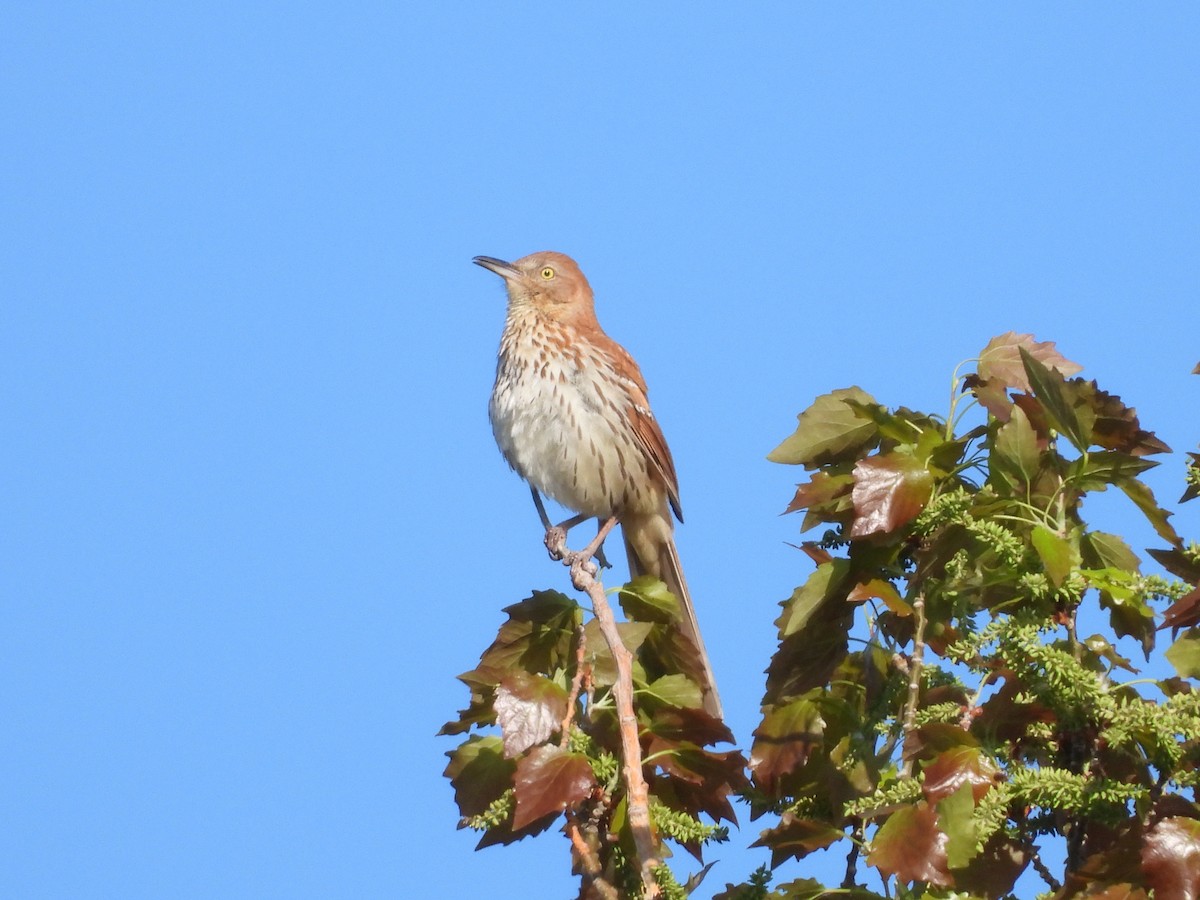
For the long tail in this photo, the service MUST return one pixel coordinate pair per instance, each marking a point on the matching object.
(650, 546)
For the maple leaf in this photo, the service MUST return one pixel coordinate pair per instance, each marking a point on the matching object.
(549, 780)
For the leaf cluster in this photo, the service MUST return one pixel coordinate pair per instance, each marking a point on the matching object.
(543, 744)
(932, 702)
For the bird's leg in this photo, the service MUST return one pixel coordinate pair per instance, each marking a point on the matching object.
(599, 554)
(537, 501)
(595, 548)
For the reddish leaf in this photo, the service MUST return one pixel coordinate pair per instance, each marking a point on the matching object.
(1122, 891)
(529, 708)
(1171, 858)
(783, 741)
(1178, 563)
(910, 846)
(1001, 359)
(826, 498)
(994, 871)
(1000, 369)
(937, 737)
(1114, 425)
(955, 767)
(1184, 612)
(674, 725)
(549, 780)
(697, 780)
(889, 491)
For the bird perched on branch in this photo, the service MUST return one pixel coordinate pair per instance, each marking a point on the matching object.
(570, 414)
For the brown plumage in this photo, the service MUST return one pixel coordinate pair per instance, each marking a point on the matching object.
(570, 413)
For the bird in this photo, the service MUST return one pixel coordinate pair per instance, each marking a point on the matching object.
(570, 414)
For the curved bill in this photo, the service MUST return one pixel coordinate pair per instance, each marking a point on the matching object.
(499, 266)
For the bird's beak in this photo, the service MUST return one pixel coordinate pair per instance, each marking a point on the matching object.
(505, 270)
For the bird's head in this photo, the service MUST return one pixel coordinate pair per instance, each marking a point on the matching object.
(548, 282)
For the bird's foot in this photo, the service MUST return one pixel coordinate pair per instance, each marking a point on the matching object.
(601, 558)
(556, 542)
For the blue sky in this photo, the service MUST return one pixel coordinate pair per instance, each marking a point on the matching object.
(254, 521)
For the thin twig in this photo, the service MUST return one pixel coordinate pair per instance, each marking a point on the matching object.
(914, 681)
(1035, 859)
(576, 682)
(583, 576)
(969, 711)
(589, 863)
(850, 880)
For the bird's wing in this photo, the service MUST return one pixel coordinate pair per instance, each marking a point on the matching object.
(645, 428)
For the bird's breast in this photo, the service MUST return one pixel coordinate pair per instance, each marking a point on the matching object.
(559, 412)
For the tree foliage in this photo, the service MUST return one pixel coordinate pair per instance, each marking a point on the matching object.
(950, 696)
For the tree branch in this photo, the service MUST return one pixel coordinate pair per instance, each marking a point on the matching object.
(583, 577)
(914, 681)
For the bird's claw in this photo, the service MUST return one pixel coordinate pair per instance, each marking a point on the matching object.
(556, 542)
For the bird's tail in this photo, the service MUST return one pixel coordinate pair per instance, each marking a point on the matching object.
(650, 546)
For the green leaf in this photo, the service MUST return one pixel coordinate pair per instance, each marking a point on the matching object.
(1100, 551)
(1143, 498)
(549, 780)
(805, 599)
(1184, 654)
(1097, 470)
(956, 820)
(646, 599)
(1049, 387)
(828, 430)
(1057, 555)
(675, 690)
(599, 657)
(1016, 448)
(883, 590)
(479, 773)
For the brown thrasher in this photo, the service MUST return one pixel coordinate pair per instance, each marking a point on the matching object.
(570, 413)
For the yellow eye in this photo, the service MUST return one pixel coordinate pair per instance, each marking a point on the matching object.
(547, 273)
